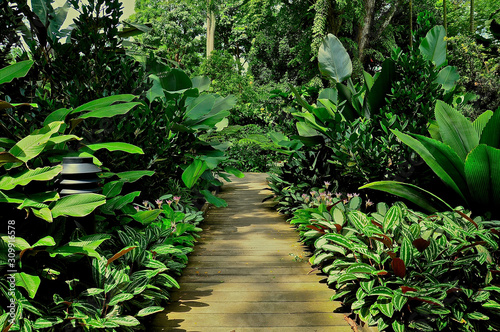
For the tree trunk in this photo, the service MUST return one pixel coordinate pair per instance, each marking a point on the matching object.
(445, 18)
(472, 29)
(210, 28)
(364, 30)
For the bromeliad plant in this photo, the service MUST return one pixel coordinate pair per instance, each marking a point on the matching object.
(403, 270)
(464, 155)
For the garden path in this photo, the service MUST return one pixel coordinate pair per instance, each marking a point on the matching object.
(248, 272)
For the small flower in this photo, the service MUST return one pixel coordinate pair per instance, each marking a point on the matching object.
(327, 184)
(355, 195)
(304, 196)
(145, 203)
(350, 196)
(177, 199)
(136, 208)
(345, 201)
(338, 195)
(159, 203)
(368, 203)
(169, 202)
(313, 193)
(322, 195)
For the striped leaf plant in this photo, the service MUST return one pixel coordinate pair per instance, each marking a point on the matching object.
(403, 270)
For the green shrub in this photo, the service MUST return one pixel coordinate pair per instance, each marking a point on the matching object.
(403, 270)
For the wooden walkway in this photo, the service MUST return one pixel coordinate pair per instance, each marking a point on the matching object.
(248, 272)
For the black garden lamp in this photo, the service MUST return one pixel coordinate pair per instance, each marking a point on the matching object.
(79, 176)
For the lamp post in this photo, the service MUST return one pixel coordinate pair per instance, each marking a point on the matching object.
(79, 176)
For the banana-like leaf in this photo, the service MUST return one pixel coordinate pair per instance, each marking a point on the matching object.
(156, 90)
(200, 107)
(132, 176)
(77, 205)
(433, 46)
(482, 170)
(6, 158)
(330, 94)
(109, 111)
(334, 61)
(32, 145)
(224, 104)
(447, 77)
(455, 129)
(491, 135)
(375, 98)
(414, 194)
(176, 81)
(193, 172)
(16, 70)
(97, 104)
(57, 115)
(47, 173)
(116, 146)
(202, 83)
(480, 123)
(441, 159)
(216, 201)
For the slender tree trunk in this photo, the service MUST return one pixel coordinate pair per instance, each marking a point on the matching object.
(472, 29)
(364, 31)
(411, 24)
(210, 28)
(445, 18)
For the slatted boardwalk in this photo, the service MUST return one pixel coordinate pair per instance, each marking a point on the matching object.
(248, 272)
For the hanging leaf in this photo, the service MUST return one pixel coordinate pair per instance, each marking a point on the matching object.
(97, 104)
(193, 172)
(216, 201)
(109, 111)
(116, 146)
(16, 70)
(32, 145)
(78, 205)
(433, 46)
(23, 178)
(334, 61)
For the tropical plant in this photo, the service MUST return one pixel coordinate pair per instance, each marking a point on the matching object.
(402, 270)
(463, 154)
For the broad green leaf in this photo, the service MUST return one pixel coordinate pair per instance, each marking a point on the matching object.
(19, 242)
(419, 196)
(116, 146)
(358, 219)
(32, 145)
(156, 90)
(78, 205)
(23, 178)
(216, 201)
(6, 157)
(339, 239)
(44, 213)
(202, 83)
(448, 77)
(16, 70)
(482, 170)
(146, 217)
(334, 61)
(112, 189)
(398, 300)
(369, 80)
(63, 139)
(193, 172)
(328, 94)
(176, 81)
(224, 104)
(132, 176)
(234, 171)
(441, 159)
(433, 46)
(200, 107)
(480, 123)
(491, 135)
(103, 102)
(28, 282)
(375, 99)
(109, 111)
(45, 241)
(455, 129)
